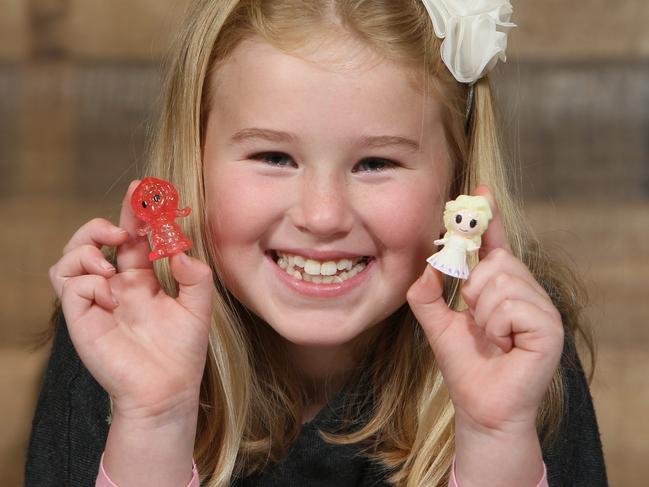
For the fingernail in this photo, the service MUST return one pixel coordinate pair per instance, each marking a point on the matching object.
(108, 266)
(115, 300)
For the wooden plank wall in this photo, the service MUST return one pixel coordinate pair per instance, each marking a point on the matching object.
(79, 84)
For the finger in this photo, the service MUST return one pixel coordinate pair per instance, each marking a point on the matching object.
(506, 287)
(525, 326)
(495, 237)
(196, 285)
(97, 232)
(499, 261)
(86, 259)
(80, 293)
(427, 302)
(134, 253)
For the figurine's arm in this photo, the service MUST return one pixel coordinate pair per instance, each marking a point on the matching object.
(143, 231)
(183, 212)
(441, 241)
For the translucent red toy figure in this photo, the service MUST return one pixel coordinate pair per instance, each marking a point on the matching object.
(156, 202)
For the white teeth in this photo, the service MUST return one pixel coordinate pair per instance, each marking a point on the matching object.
(312, 267)
(319, 272)
(328, 269)
(344, 264)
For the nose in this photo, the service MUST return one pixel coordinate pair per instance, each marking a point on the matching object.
(323, 208)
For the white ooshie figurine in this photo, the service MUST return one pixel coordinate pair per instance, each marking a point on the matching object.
(465, 218)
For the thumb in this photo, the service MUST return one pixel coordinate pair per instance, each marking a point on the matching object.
(426, 300)
(196, 284)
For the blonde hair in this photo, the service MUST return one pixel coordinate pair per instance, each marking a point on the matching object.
(251, 402)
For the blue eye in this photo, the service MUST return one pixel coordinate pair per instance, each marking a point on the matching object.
(375, 165)
(274, 159)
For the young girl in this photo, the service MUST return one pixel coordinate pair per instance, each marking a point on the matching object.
(305, 133)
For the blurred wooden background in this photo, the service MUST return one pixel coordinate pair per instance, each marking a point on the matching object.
(80, 83)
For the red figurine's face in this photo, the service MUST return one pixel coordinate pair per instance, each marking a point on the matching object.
(152, 198)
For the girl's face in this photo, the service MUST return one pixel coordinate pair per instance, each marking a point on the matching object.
(324, 183)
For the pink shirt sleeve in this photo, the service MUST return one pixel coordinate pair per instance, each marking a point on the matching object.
(453, 481)
(104, 481)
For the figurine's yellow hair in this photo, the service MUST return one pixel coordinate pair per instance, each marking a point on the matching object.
(478, 204)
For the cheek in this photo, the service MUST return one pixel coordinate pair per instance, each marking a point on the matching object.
(240, 207)
(406, 219)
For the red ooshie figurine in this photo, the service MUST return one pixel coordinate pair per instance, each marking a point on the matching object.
(156, 202)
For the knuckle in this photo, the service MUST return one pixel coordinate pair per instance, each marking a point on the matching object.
(51, 272)
(469, 287)
(99, 222)
(67, 248)
(502, 282)
(410, 295)
(479, 319)
(88, 251)
(54, 275)
(499, 254)
(506, 306)
(77, 284)
(67, 287)
(491, 333)
(472, 299)
(205, 272)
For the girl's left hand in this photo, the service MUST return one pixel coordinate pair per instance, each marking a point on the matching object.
(497, 357)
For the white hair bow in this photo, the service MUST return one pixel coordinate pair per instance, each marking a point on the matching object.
(474, 33)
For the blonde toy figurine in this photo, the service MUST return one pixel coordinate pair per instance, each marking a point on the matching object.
(466, 219)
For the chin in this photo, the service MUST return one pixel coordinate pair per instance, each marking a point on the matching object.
(317, 334)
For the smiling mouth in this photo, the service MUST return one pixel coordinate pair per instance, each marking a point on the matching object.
(319, 272)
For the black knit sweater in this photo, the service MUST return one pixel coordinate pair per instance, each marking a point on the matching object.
(70, 427)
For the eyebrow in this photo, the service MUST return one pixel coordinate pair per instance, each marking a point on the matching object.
(369, 141)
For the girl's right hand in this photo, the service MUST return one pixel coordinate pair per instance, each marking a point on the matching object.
(148, 350)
